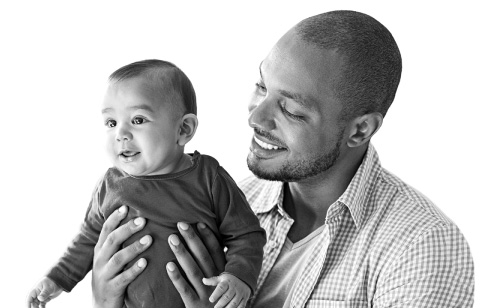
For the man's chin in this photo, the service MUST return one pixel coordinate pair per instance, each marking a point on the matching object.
(254, 166)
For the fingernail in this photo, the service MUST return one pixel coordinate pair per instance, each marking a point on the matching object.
(183, 226)
(211, 299)
(170, 266)
(141, 263)
(201, 225)
(174, 240)
(144, 240)
(122, 209)
(138, 221)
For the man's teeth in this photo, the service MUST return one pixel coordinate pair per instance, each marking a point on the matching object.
(265, 145)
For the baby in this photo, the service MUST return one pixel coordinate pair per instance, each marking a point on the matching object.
(149, 112)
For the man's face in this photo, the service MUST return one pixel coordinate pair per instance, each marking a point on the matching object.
(142, 130)
(294, 113)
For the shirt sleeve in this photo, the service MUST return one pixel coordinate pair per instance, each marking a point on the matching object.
(240, 230)
(77, 260)
(435, 271)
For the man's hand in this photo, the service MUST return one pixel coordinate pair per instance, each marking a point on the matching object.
(205, 259)
(109, 280)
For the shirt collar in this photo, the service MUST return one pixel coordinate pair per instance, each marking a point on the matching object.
(360, 187)
(265, 195)
(270, 195)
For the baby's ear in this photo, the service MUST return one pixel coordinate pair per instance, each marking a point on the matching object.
(188, 127)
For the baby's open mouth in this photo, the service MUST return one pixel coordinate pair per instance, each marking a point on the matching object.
(128, 155)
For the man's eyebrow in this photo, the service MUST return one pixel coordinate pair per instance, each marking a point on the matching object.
(300, 99)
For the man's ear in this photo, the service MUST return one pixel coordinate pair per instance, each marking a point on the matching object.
(362, 128)
(188, 127)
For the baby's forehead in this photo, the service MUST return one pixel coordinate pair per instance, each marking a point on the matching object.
(159, 89)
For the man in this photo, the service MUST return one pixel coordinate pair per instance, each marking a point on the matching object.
(342, 231)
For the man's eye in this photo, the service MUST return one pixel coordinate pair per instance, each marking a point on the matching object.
(138, 120)
(289, 114)
(110, 123)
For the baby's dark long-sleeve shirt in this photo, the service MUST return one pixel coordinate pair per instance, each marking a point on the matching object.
(202, 193)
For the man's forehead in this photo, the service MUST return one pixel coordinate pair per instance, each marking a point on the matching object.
(300, 71)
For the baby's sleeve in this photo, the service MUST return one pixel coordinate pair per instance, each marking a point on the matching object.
(239, 228)
(77, 260)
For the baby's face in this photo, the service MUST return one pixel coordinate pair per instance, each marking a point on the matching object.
(142, 131)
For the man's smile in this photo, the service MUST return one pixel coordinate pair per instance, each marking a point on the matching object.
(265, 149)
(265, 145)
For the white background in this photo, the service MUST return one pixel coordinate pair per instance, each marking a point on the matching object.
(56, 56)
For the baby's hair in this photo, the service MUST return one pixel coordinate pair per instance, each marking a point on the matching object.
(157, 70)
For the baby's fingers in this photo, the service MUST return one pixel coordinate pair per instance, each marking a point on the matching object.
(226, 298)
(220, 290)
(44, 295)
(31, 298)
(237, 302)
(213, 281)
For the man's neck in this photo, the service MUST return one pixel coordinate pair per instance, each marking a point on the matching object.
(307, 202)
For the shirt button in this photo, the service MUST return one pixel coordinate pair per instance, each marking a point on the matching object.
(272, 244)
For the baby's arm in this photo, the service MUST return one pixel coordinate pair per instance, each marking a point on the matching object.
(230, 291)
(43, 292)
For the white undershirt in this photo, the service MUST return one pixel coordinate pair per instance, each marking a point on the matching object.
(277, 290)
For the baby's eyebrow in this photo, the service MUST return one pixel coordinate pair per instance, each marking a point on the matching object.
(136, 107)
(143, 106)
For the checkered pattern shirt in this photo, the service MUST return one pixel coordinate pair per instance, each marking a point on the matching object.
(387, 246)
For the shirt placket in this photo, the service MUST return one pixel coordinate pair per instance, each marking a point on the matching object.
(310, 275)
(304, 286)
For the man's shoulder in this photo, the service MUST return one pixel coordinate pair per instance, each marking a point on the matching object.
(409, 201)
(403, 217)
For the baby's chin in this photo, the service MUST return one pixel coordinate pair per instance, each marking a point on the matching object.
(130, 170)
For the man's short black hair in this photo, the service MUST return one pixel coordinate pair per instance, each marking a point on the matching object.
(155, 70)
(373, 65)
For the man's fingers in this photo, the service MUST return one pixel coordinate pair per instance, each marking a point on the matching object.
(188, 295)
(112, 223)
(127, 254)
(116, 237)
(213, 246)
(192, 271)
(197, 250)
(129, 275)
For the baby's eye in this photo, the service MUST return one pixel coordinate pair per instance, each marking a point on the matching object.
(110, 123)
(139, 120)
(261, 87)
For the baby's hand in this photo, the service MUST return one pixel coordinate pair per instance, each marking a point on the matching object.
(233, 292)
(45, 291)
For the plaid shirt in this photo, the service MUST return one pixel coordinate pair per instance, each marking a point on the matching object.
(387, 245)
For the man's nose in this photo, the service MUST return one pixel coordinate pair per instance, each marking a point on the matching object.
(261, 114)
(123, 133)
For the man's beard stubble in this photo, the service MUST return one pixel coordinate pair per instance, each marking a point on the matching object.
(295, 171)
